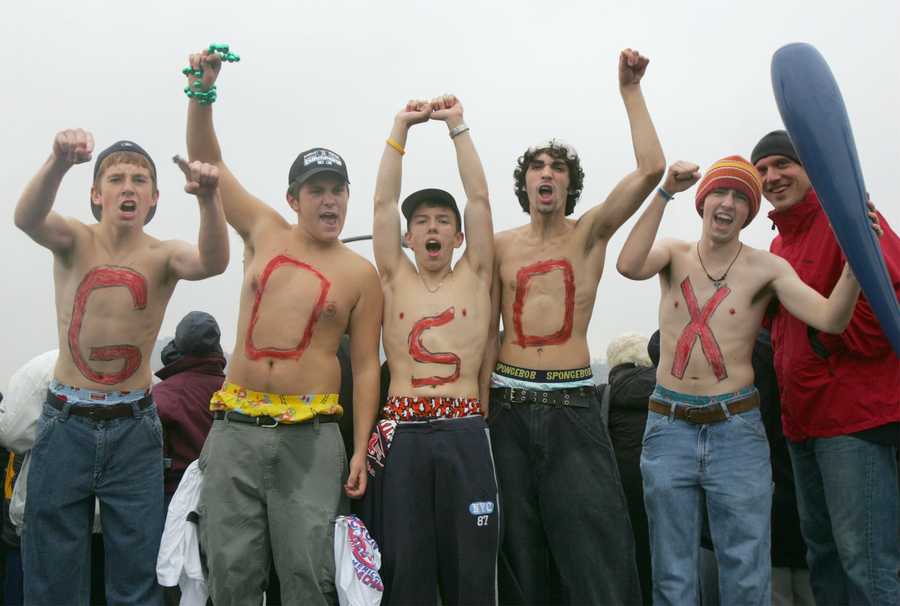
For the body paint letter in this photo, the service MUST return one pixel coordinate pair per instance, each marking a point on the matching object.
(420, 353)
(255, 353)
(524, 276)
(699, 327)
(106, 277)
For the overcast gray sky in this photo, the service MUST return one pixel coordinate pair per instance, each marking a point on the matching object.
(333, 73)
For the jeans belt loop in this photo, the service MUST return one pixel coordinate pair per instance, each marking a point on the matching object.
(672, 408)
(316, 423)
(725, 410)
(65, 412)
(136, 408)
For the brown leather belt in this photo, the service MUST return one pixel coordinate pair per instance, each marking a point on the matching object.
(702, 415)
(100, 412)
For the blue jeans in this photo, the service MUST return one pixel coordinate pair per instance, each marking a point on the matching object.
(74, 460)
(725, 464)
(848, 502)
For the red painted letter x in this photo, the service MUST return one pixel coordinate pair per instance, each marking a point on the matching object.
(699, 326)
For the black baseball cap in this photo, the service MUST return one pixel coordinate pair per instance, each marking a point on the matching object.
(123, 146)
(438, 197)
(315, 161)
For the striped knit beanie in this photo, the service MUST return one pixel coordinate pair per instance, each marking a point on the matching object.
(732, 172)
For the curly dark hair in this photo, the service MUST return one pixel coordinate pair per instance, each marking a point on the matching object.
(576, 175)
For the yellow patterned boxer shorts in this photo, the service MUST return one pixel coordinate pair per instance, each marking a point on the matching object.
(283, 408)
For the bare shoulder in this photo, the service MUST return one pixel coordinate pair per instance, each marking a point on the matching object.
(770, 263)
(356, 265)
(503, 240)
(677, 247)
(271, 225)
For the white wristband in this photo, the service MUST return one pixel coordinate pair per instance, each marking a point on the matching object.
(458, 130)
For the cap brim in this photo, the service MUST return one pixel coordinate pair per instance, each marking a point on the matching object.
(434, 196)
(317, 171)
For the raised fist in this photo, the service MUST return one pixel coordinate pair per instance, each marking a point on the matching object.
(202, 178)
(681, 176)
(447, 108)
(632, 66)
(73, 146)
(210, 63)
(415, 111)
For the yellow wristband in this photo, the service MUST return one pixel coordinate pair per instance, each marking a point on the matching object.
(390, 141)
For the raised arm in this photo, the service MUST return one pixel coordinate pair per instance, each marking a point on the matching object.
(365, 334)
(210, 257)
(602, 221)
(386, 224)
(242, 210)
(491, 346)
(479, 227)
(34, 214)
(642, 256)
(831, 315)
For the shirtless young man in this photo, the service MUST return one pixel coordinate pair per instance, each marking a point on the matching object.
(566, 521)
(439, 522)
(704, 442)
(274, 460)
(99, 435)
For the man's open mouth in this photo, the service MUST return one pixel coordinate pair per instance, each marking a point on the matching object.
(723, 218)
(432, 247)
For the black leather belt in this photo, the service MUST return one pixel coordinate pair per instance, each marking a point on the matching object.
(575, 397)
(232, 416)
(100, 412)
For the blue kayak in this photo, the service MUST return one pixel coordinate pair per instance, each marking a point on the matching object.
(815, 117)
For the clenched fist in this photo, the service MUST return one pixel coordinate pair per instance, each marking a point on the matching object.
(681, 176)
(73, 146)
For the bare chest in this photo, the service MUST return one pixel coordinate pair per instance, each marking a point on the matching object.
(297, 293)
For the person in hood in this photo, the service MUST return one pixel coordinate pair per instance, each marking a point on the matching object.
(193, 371)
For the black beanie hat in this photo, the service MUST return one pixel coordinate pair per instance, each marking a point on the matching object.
(776, 143)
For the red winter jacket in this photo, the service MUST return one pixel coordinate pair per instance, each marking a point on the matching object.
(853, 382)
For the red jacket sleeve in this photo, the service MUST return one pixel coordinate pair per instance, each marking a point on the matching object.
(864, 335)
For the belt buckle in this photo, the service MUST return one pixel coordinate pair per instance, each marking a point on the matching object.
(516, 395)
(268, 425)
(689, 414)
(92, 413)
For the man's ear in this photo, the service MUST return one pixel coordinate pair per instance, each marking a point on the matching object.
(460, 238)
(293, 202)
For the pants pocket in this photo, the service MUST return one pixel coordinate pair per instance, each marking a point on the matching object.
(752, 420)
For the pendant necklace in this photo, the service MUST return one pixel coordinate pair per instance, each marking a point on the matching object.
(720, 281)
(438, 287)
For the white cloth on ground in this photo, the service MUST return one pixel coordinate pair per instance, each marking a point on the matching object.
(178, 562)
